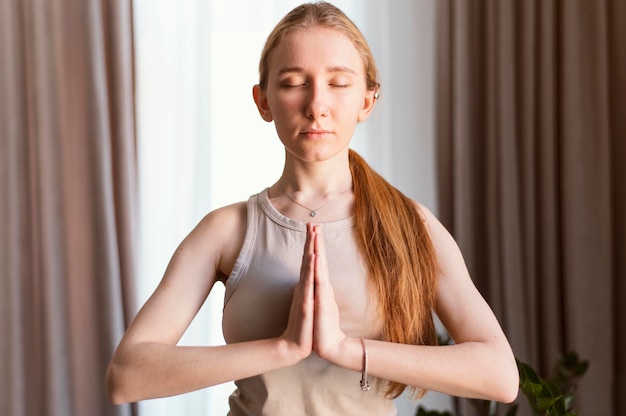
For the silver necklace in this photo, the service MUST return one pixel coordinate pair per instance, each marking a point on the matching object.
(313, 212)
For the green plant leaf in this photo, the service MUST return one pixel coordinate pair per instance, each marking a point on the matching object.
(527, 373)
(545, 403)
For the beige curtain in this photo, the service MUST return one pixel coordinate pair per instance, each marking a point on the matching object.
(532, 175)
(67, 201)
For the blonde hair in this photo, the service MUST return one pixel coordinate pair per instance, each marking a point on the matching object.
(389, 229)
(319, 14)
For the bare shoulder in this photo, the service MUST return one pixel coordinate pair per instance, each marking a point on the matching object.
(209, 251)
(230, 216)
(424, 212)
(430, 220)
(447, 249)
(224, 229)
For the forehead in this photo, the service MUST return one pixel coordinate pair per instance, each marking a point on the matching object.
(316, 47)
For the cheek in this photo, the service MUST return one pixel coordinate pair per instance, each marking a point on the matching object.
(284, 106)
(355, 105)
(286, 98)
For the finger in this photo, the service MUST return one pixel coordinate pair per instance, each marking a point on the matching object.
(308, 255)
(299, 330)
(328, 334)
(309, 244)
(321, 264)
(319, 240)
(309, 279)
(308, 266)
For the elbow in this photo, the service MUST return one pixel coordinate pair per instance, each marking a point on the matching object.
(115, 390)
(507, 393)
(507, 386)
(502, 389)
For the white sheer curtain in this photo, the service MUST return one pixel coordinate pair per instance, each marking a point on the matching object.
(202, 144)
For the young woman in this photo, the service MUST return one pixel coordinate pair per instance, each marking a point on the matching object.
(332, 275)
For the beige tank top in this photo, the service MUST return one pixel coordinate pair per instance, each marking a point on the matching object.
(256, 306)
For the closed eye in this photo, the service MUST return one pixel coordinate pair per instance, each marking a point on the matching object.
(290, 85)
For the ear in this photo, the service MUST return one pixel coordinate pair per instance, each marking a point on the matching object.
(371, 96)
(260, 98)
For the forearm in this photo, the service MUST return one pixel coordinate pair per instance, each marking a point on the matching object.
(150, 370)
(471, 369)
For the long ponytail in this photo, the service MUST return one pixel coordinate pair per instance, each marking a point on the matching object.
(391, 234)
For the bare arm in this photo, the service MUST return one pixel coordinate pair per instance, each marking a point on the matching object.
(479, 365)
(149, 364)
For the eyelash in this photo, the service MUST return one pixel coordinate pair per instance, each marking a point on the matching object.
(290, 86)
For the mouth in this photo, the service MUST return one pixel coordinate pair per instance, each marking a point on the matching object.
(316, 133)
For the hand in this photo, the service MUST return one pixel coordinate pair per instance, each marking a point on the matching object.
(327, 334)
(299, 331)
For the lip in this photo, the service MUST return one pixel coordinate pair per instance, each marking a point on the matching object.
(315, 133)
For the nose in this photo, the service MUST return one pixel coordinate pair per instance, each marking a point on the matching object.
(317, 105)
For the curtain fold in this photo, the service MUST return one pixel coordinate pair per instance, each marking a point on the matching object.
(68, 206)
(617, 106)
(531, 155)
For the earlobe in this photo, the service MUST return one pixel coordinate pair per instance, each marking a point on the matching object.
(260, 98)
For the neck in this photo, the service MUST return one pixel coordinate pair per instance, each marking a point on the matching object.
(321, 190)
(316, 178)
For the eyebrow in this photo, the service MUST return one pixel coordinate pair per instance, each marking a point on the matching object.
(331, 69)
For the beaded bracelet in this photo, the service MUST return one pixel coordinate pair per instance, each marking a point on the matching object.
(365, 385)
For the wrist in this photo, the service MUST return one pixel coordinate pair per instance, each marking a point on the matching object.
(349, 354)
(289, 352)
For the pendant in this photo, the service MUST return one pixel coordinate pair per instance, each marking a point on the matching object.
(313, 213)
